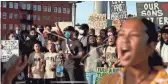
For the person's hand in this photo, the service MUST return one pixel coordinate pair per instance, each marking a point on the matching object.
(15, 69)
(68, 56)
(56, 24)
(29, 75)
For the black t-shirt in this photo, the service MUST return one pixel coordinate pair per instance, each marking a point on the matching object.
(75, 47)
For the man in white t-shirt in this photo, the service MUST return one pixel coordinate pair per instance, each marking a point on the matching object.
(162, 46)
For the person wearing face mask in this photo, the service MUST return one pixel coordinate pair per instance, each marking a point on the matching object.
(162, 46)
(29, 43)
(83, 35)
(92, 60)
(73, 51)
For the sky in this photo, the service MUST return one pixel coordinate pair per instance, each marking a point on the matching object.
(85, 8)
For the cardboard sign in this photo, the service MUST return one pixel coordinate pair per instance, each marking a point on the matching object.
(118, 10)
(157, 12)
(8, 49)
(97, 22)
(101, 72)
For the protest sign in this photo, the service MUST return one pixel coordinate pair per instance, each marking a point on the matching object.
(118, 10)
(101, 71)
(8, 49)
(97, 22)
(157, 12)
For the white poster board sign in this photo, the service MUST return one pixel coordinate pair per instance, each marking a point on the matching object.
(8, 49)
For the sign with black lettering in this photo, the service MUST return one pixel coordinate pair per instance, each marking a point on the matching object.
(97, 22)
(118, 10)
(157, 12)
(8, 49)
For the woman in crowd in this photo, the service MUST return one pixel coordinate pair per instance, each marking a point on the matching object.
(162, 46)
(109, 51)
(136, 49)
(36, 65)
(92, 60)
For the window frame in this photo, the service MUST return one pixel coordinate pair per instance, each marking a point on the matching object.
(16, 5)
(10, 4)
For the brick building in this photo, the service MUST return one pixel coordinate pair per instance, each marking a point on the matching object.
(26, 13)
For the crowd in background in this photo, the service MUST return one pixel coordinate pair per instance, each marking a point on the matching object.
(80, 52)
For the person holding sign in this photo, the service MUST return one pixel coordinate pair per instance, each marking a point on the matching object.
(136, 49)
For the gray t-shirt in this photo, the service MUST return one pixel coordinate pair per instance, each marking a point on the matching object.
(75, 47)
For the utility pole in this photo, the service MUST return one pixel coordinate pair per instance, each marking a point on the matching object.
(74, 11)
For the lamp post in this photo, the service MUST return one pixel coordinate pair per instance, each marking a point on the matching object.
(74, 11)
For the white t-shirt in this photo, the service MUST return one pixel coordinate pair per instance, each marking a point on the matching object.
(34, 60)
(164, 51)
(52, 59)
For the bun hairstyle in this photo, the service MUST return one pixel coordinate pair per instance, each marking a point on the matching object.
(155, 59)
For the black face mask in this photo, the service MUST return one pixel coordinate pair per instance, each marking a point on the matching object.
(33, 37)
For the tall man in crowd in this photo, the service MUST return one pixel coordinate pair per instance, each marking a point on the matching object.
(73, 51)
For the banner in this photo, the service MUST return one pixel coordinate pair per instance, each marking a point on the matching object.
(101, 72)
(97, 22)
(118, 10)
(8, 49)
(157, 12)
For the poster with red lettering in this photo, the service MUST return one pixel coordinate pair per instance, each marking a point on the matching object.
(157, 12)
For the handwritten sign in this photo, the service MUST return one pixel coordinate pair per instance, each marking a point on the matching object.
(9, 48)
(118, 10)
(157, 12)
(101, 72)
(97, 22)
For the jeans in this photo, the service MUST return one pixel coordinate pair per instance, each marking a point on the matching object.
(74, 74)
(91, 77)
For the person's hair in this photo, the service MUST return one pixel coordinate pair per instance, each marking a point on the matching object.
(48, 26)
(84, 27)
(77, 33)
(113, 28)
(52, 37)
(10, 32)
(154, 59)
(161, 39)
(93, 30)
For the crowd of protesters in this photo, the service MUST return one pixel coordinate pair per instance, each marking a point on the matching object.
(80, 51)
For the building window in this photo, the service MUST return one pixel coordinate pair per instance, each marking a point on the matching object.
(68, 11)
(15, 16)
(34, 17)
(23, 26)
(15, 5)
(10, 15)
(49, 8)
(10, 4)
(59, 9)
(64, 10)
(28, 6)
(4, 4)
(55, 9)
(15, 25)
(39, 8)
(44, 8)
(28, 17)
(38, 17)
(28, 27)
(4, 26)
(4, 15)
(23, 6)
(34, 7)
(10, 26)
